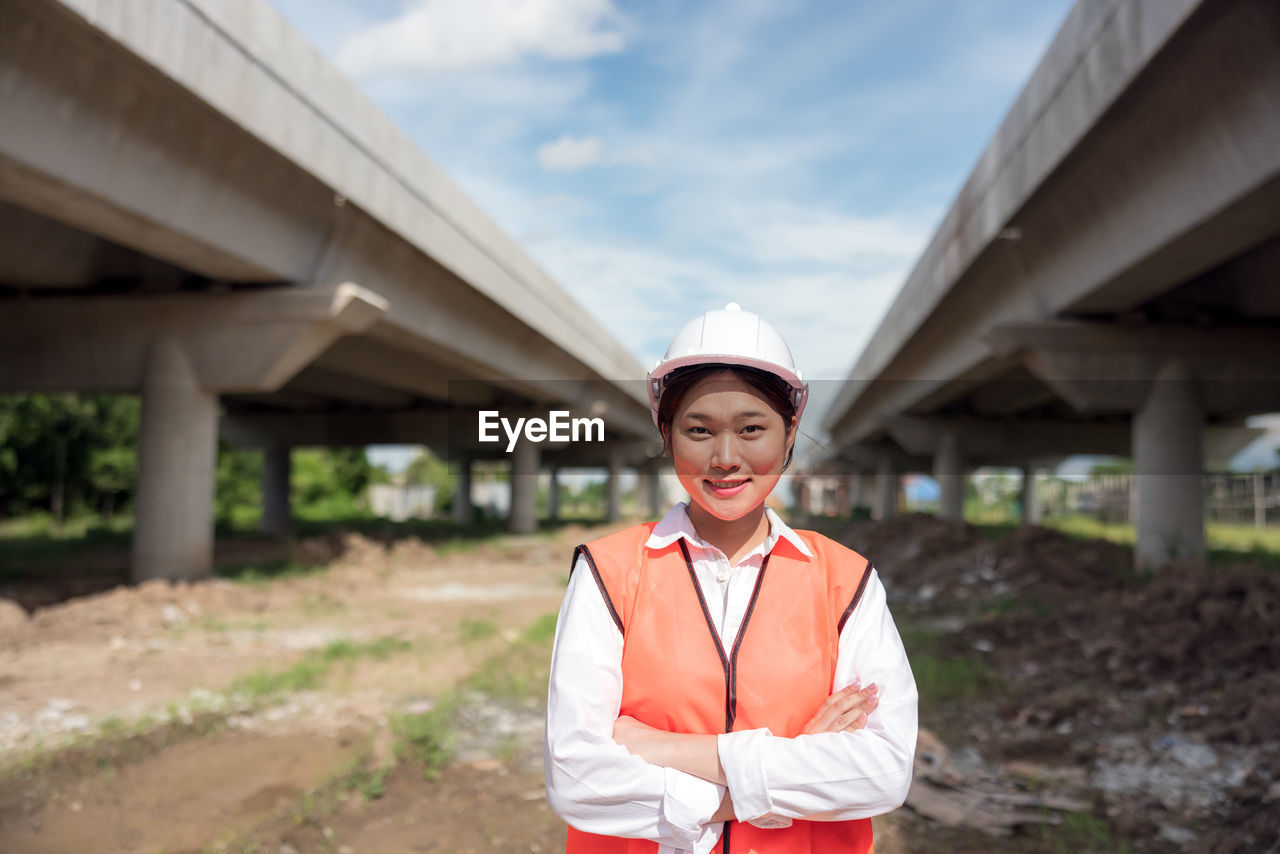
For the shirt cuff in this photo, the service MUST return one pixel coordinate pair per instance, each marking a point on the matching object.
(743, 760)
(688, 804)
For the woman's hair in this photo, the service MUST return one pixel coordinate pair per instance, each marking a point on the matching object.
(774, 389)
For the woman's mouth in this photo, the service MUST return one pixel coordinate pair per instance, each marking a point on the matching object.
(726, 488)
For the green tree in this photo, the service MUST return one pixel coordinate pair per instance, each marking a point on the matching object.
(330, 482)
(237, 499)
(1119, 466)
(51, 452)
(426, 469)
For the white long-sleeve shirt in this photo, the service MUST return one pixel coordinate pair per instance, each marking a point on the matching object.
(597, 786)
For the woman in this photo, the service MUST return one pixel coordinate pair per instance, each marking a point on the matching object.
(720, 681)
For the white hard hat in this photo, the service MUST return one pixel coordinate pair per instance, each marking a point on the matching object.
(728, 336)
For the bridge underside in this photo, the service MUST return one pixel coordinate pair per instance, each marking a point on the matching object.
(1105, 282)
(219, 223)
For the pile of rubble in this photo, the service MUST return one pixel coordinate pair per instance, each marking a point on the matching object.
(1158, 697)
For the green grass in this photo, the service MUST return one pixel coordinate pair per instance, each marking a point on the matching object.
(263, 572)
(470, 631)
(1007, 603)
(426, 738)
(516, 673)
(943, 674)
(1078, 831)
(307, 673)
(949, 679)
(371, 782)
(520, 671)
(39, 532)
(1225, 543)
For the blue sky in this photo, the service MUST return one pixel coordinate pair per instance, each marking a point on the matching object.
(663, 158)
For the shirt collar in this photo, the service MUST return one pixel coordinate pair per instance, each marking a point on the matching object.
(676, 524)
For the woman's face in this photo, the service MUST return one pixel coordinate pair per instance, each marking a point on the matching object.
(728, 445)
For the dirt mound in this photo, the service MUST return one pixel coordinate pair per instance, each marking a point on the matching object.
(1165, 687)
(923, 558)
(1198, 644)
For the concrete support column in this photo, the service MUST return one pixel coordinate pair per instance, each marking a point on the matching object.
(802, 490)
(177, 458)
(277, 509)
(464, 512)
(844, 499)
(886, 490)
(1168, 454)
(651, 485)
(553, 495)
(948, 471)
(613, 488)
(1030, 500)
(523, 517)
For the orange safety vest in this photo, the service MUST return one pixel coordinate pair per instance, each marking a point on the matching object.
(677, 676)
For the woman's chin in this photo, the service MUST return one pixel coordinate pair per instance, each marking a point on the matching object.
(729, 511)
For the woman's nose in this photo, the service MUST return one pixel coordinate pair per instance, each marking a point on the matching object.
(724, 453)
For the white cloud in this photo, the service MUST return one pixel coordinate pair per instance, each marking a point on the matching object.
(785, 232)
(434, 36)
(569, 153)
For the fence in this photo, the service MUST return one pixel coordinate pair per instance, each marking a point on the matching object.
(1238, 499)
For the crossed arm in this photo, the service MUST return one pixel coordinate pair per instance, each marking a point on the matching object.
(699, 755)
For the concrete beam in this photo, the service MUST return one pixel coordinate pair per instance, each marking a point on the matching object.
(632, 453)
(1011, 442)
(449, 433)
(236, 342)
(866, 456)
(1099, 367)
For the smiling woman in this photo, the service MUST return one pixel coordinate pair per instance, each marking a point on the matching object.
(721, 682)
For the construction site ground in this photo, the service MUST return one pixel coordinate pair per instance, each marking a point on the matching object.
(386, 695)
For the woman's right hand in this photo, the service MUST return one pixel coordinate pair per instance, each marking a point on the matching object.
(844, 711)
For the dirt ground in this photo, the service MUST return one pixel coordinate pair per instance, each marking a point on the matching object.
(1113, 711)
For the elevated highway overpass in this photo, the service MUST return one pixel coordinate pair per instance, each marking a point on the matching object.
(1107, 280)
(195, 206)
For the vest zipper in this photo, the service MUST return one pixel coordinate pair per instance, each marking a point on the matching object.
(728, 662)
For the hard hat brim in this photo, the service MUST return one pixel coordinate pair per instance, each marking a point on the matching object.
(662, 370)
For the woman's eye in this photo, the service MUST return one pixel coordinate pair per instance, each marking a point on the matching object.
(753, 428)
(697, 430)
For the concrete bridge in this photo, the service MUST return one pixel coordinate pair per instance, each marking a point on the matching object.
(1106, 280)
(195, 206)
